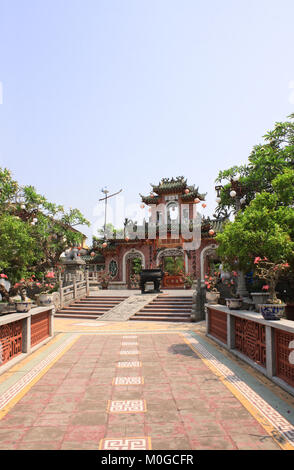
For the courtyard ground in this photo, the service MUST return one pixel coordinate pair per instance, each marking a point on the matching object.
(140, 385)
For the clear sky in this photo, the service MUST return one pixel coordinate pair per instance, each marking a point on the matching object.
(121, 93)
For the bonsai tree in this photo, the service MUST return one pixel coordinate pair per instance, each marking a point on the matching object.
(270, 272)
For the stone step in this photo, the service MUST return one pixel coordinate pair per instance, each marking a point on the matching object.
(168, 310)
(93, 305)
(85, 309)
(156, 318)
(62, 314)
(163, 314)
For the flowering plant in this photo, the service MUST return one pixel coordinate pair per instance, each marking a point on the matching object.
(270, 272)
(212, 281)
(104, 278)
(187, 279)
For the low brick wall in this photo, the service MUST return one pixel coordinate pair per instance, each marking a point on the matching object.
(20, 332)
(266, 345)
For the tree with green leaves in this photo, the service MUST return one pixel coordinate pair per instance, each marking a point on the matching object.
(268, 160)
(33, 231)
(264, 229)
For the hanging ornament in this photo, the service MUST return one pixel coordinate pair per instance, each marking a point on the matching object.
(204, 205)
(187, 191)
(22, 206)
(126, 239)
(142, 206)
(92, 253)
(211, 232)
(197, 200)
(233, 193)
(218, 199)
(104, 245)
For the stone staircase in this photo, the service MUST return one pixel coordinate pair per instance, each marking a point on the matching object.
(90, 307)
(166, 308)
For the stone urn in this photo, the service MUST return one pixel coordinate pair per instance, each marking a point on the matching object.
(272, 311)
(234, 303)
(23, 306)
(212, 297)
(45, 299)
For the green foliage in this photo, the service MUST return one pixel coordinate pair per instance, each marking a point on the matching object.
(17, 247)
(173, 265)
(264, 229)
(27, 246)
(137, 265)
(266, 162)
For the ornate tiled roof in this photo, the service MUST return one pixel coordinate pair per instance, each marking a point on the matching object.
(176, 185)
(149, 199)
(170, 185)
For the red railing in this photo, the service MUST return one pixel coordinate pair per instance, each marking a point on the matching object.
(284, 369)
(40, 327)
(10, 341)
(250, 340)
(218, 324)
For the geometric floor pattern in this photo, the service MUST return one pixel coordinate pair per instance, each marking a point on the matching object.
(178, 396)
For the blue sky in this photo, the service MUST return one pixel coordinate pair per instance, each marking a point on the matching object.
(124, 92)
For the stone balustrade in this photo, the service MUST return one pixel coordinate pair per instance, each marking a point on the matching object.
(268, 346)
(22, 333)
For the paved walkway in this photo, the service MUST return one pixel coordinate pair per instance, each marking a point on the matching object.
(139, 386)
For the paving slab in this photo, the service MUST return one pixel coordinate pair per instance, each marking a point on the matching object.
(174, 393)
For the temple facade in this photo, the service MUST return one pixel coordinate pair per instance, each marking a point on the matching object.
(174, 207)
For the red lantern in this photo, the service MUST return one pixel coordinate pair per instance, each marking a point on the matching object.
(211, 232)
(104, 245)
(127, 239)
(204, 205)
(142, 206)
(92, 254)
(187, 191)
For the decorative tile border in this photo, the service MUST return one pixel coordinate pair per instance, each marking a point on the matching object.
(126, 443)
(6, 397)
(283, 426)
(128, 380)
(126, 406)
(129, 364)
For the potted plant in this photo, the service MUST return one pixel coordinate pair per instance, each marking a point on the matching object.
(212, 294)
(25, 303)
(104, 279)
(188, 280)
(270, 272)
(47, 287)
(234, 302)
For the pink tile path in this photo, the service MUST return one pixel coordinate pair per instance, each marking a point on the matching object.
(185, 406)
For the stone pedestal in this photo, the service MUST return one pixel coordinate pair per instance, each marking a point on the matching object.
(74, 270)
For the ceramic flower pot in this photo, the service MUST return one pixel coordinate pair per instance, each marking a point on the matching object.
(212, 297)
(3, 307)
(234, 304)
(23, 306)
(272, 311)
(45, 299)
